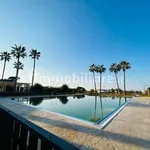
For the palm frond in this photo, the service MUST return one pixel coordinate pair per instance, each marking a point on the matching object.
(5, 56)
(34, 54)
(125, 65)
(18, 51)
(100, 69)
(18, 65)
(115, 68)
(92, 68)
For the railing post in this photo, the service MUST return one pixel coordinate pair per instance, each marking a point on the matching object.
(6, 127)
(16, 135)
(23, 139)
(33, 140)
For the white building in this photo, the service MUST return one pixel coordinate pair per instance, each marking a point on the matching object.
(102, 90)
(20, 85)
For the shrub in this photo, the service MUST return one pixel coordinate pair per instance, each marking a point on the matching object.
(37, 88)
(64, 88)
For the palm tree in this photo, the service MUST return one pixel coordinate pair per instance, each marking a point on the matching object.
(34, 54)
(92, 69)
(6, 57)
(18, 66)
(100, 69)
(18, 52)
(115, 68)
(125, 66)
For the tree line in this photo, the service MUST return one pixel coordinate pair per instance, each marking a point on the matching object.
(64, 89)
(115, 68)
(18, 52)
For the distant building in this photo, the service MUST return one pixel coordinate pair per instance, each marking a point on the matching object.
(102, 90)
(10, 83)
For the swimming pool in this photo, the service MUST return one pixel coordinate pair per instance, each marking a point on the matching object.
(88, 108)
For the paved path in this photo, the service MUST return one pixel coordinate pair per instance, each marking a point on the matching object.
(129, 130)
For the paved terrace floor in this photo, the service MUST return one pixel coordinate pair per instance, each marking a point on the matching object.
(129, 130)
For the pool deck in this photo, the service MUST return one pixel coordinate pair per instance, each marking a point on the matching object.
(129, 130)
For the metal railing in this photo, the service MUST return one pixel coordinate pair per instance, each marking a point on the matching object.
(17, 133)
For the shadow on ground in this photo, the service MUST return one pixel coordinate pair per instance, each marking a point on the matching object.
(136, 104)
(94, 132)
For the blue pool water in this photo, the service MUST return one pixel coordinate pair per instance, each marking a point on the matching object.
(88, 108)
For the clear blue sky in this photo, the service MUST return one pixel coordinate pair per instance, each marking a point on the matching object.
(72, 34)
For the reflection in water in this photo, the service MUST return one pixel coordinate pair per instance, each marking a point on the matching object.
(99, 110)
(119, 101)
(101, 106)
(94, 118)
(79, 96)
(97, 116)
(125, 99)
(63, 99)
(90, 108)
(113, 97)
(95, 108)
(35, 100)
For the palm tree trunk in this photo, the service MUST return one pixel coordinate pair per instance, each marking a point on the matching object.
(100, 83)
(94, 81)
(17, 72)
(124, 82)
(4, 68)
(15, 84)
(117, 83)
(33, 72)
